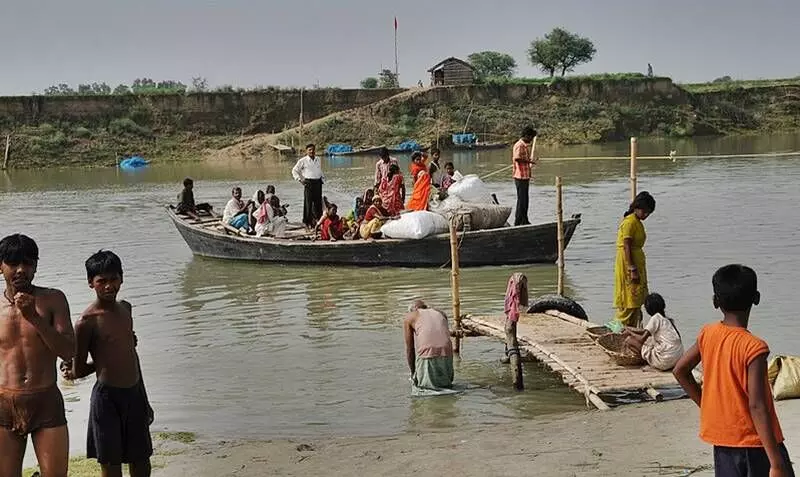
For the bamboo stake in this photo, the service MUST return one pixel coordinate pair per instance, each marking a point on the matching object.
(560, 224)
(633, 168)
(454, 283)
(533, 148)
(8, 148)
(301, 116)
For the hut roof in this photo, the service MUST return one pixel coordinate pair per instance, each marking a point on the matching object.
(451, 59)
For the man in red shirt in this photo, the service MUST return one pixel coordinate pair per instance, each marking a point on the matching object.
(522, 162)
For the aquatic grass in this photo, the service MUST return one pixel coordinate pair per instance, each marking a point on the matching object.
(182, 437)
(81, 466)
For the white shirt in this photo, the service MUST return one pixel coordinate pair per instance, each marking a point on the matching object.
(231, 209)
(307, 168)
(663, 347)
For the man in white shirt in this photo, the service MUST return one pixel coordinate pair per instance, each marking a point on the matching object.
(308, 171)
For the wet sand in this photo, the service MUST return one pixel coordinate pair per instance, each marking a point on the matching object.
(649, 439)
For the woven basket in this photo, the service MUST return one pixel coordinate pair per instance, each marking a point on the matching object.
(597, 331)
(614, 346)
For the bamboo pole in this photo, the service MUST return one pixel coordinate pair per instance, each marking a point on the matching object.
(560, 224)
(633, 168)
(301, 116)
(8, 148)
(455, 284)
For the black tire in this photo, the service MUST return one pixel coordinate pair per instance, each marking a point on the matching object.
(559, 303)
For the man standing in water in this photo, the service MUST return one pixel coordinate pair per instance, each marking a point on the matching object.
(308, 171)
(429, 350)
(522, 162)
(35, 329)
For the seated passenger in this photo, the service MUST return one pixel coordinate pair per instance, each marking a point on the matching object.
(186, 205)
(374, 219)
(332, 226)
(236, 211)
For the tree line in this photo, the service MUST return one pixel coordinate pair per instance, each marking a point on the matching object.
(139, 86)
(559, 51)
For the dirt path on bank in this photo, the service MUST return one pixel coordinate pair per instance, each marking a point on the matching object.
(641, 440)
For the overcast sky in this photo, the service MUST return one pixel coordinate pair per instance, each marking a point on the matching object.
(339, 42)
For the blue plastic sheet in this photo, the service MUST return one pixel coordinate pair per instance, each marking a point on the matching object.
(408, 146)
(467, 138)
(334, 149)
(134, 162)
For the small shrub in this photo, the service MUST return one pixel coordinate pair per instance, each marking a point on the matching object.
(128, 126)
(82, 132)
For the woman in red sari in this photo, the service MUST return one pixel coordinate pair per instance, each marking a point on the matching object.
(393, 190)
(422, 183)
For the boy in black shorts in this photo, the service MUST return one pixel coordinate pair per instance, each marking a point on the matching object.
(120, 414)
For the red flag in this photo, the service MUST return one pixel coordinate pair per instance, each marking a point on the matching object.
(395, 23)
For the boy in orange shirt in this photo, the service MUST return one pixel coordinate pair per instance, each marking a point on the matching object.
(737, 413)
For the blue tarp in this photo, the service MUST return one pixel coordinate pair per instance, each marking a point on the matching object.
(408, 146)
(134, 162)
(334, 149)
(468, 138)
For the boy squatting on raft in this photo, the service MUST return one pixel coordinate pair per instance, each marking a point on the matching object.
(120, 414)
(35, 328)
(737, 412)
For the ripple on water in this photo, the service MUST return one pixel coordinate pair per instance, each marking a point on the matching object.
(255, 350)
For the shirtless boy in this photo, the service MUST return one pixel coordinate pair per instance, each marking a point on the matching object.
(119, 414)
(35, 329)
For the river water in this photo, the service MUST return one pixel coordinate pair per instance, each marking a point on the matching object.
(239, 350)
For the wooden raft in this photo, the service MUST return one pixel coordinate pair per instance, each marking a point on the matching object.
(561, 343)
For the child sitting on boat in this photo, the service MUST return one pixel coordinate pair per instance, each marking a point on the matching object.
(332, 227)
(659, 343)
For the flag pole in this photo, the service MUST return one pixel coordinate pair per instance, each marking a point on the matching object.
(396, 76)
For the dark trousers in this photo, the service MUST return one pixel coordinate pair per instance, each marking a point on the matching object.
(521, 217)
(745, 461)
(312, 202)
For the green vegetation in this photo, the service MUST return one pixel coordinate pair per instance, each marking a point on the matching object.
(560, 50)
(493, 64)
(80, 466)
(67, 144)
(369, 83)
(387, 79)
(601, 77)
(182, 437)
(721, 84)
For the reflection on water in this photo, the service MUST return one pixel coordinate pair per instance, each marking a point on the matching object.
(235, 349)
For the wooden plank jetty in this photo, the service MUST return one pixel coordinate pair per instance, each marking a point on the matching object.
(560, 342)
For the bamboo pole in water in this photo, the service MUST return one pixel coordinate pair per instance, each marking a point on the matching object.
(8, 148)
(560, 224)
(454, 283)
(633, 168)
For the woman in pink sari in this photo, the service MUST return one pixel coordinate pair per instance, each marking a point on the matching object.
(393, 190)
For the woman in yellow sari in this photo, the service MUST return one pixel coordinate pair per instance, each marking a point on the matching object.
(630, 269)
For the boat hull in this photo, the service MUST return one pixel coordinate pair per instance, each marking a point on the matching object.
(504, 246)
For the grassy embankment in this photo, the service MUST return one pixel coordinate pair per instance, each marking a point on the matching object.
(166, 444)
(563, 114)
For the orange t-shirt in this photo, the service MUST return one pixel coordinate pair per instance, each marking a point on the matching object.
(522, 170)
(725, 420)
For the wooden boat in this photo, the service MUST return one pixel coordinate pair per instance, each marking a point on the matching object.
(501, 246)
(481, 145)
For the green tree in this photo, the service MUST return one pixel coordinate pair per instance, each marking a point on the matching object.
(723, 79)
(369, 83)
(560, 50)
(61, 89)
(122, 89)
(387, 79)
(493, 64)
(199, 84)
